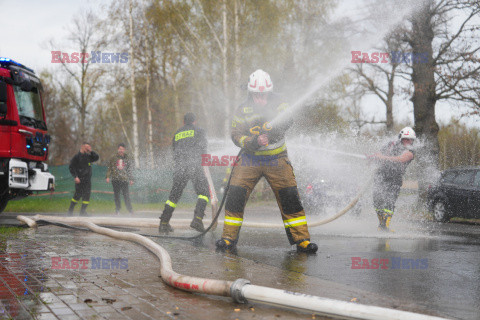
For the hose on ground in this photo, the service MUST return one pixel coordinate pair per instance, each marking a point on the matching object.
(241, 290)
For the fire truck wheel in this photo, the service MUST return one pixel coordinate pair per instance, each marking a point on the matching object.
(3, 201)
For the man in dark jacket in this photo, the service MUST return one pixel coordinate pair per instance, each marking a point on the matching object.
(119, 171)
(81, 170)
(392, 160)
(189, 143)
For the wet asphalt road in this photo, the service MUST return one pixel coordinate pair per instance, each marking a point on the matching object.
(432, 266)
(428, 267)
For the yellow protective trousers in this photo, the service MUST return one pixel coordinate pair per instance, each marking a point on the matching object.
(278, 172)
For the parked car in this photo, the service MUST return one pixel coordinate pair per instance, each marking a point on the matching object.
(456, 194)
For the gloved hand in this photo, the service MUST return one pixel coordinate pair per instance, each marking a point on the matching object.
(373, 157)
(262, 140)
(251, 143)
(262, 134)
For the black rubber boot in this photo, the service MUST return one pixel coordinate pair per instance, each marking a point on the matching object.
(307, 247)
(165, 227)
(225, 244)
(197, 224)
(167, 213)
(83, 210)
(72, 207)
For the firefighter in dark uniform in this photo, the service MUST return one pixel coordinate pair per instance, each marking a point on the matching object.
(393, 160)
(264, 155)
(81, 170)
(189, 143)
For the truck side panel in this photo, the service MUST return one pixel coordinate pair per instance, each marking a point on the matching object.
(5, 130)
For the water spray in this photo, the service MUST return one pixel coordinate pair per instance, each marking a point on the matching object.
(388, 18)
(348, 154)
(184, 223)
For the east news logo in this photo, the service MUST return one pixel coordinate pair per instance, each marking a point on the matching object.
(95, 57)
(393, 263)
(92, 263)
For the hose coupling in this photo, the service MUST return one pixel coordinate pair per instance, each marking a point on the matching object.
(236, 290)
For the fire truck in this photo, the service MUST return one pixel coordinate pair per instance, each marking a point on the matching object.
(24, 140)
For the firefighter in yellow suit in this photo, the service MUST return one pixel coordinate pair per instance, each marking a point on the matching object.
(264, 155)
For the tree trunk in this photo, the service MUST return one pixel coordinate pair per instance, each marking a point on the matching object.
(176, 102)
(149, 124)
(237, 66)
(424, 98)
(225, 69)
(147, 98)
(83, 115)
(83, 105)
(389, 102)
(133, 89)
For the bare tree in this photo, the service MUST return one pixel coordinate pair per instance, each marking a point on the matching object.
(450, 70)
(379, 78)
(149, 57)
(136, 149)
(84, 75)
(60, 121)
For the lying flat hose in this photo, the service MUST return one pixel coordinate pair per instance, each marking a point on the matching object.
(316, 223)
(153, 223)
(209, 286)
(346, 209)
(241, 290)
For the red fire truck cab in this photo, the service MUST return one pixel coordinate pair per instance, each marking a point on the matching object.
(23, 134)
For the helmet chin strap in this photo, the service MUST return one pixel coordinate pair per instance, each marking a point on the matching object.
(261, 101)
(408, 146)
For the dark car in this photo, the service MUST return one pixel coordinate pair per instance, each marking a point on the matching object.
(457, 194)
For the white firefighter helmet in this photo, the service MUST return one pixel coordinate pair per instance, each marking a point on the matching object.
(260, 81)
(407, 133)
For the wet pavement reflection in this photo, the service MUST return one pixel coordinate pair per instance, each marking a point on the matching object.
(431, 267)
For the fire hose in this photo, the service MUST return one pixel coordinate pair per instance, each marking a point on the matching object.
(241, 290)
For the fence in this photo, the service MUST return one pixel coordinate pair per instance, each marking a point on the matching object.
(151, 185)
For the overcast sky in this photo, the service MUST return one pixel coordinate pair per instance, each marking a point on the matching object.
(28, 25)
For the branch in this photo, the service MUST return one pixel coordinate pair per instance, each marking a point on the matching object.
(122, 123)
(222, 49)
(449, 43)
(72, 97)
